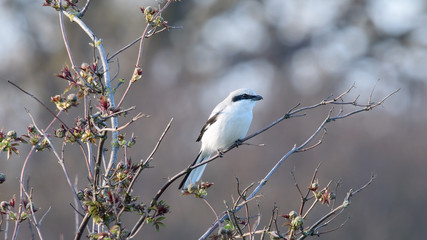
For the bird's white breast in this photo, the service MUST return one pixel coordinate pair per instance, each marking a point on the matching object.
(232, 124)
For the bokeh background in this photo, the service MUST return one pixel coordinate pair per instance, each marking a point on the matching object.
(290, 52)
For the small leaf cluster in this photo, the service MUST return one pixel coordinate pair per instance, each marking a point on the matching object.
(37, 139)
(81, 131)
(56, 4)
(115, 232)
(227, 231)
(92, 76)
(9, 141)
(6, 208)
(152, 17)
(106, 204)
(160, 209)
(123, 174)
(294, 220)
(88, 80)
(123, 142)
(199, 190)
(325, 196)
(64, 103)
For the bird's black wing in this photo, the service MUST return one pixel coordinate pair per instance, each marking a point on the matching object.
(210, 121)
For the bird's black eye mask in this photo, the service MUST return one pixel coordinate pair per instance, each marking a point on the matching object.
(246, 96)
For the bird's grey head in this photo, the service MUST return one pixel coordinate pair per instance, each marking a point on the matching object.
(244, 94)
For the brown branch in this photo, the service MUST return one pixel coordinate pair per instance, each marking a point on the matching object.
(297, 186)
(141, 43)
(305, 198)
(82, 226)
(100, 153)
(67, 45)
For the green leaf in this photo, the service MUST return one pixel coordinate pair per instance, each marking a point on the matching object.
(13, 216)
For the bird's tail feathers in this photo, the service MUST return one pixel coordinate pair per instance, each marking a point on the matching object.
(195, 174)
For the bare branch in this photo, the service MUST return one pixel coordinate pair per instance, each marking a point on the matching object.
(138, 116)
(211, 208)
(82, 226)
(314, 145)
(296, 185)
(84, 9)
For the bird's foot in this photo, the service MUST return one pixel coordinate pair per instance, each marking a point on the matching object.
(220, 153)
(238, 142)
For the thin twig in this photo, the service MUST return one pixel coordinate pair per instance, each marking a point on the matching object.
(82, 226)
(138, 116)
(56, 117)
(30, 212)
(306, 198)
(296, 185)
(67, 45)
(334, 229)
(84, 9)
(314, 145)
(142, 164)
(148, 159)
(210, 206)
(141, 42)
(21, 192)
(60, 160)
(44, 215)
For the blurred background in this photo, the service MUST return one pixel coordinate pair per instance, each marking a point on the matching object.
(288, 51)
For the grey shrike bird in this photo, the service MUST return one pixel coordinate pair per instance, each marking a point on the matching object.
(228, 122)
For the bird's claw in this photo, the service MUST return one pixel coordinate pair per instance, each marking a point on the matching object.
(220, 153)
(238, 142)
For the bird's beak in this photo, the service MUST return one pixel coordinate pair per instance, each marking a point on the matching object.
(257, 98)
